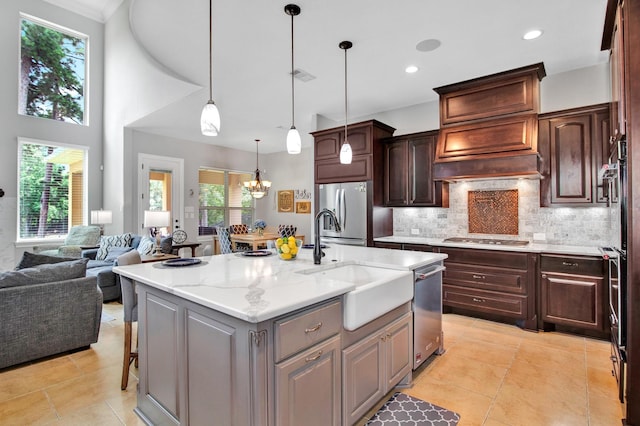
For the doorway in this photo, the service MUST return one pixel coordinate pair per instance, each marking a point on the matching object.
(160, 188)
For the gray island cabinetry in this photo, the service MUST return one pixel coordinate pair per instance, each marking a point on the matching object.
(240, 341)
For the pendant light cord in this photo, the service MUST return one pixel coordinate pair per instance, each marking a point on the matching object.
(345, 94)
(293, 113)
(210, 50)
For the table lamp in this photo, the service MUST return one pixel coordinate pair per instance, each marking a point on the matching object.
(155, 219)
(101, 217)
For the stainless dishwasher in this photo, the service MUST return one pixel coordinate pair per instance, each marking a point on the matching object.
(427, 313)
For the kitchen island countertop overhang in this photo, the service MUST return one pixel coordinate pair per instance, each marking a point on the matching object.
(256, 289)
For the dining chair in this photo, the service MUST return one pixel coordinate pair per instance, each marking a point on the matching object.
(287, 230)
(130, 308)
(224, 240)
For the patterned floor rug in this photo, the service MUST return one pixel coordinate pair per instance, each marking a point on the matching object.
(405, 410)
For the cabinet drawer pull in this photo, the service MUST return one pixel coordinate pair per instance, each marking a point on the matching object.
(569, 264)
(313, 358)
(478, 277)
(478, 300)
(312, 329)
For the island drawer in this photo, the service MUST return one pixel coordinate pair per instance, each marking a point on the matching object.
(303, 330)
(485, 301)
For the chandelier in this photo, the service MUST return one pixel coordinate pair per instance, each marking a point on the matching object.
(257, 187)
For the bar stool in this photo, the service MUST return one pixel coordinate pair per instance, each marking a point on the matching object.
(130, 308)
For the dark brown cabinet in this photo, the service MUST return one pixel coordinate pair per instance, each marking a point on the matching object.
(408, 171)
(572, 292)
(492, 284)
(363, 138)
(573, 146)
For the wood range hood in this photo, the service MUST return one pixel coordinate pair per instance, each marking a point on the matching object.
(489, 126)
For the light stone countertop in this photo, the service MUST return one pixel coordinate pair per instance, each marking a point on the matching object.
(530, 248)
(256, 289)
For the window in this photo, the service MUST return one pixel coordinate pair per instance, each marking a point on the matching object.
(51, 188)
(224, 200)
(52, 71)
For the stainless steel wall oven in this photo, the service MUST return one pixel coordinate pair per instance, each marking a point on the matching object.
(615, 173)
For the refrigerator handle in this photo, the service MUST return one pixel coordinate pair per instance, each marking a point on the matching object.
(336, 208)
(343, 215)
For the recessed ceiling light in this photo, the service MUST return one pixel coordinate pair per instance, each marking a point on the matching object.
(428, 45)
(411, 69)
(530, 35)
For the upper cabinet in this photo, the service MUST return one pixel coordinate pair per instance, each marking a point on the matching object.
(488, 126)
(363, 138)
(614, 40)
(408, 172)
(573, 146)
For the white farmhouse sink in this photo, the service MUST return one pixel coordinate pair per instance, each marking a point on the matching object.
(378, 290)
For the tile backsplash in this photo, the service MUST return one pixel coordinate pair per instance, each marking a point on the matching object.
(590, 226)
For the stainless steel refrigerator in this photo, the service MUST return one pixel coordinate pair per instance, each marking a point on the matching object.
(348, 201)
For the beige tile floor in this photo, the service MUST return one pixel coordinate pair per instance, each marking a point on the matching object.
(491, 374)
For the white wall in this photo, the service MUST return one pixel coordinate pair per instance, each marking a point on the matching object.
(135, 86)
(13, 125)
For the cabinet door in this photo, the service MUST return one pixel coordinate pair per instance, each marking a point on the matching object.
(308, 387)
(398, 338)
(395, 174)
(422, 189)
(159, 393)
(571, 167)
(364, 383)
(328, 146)
(572, 300)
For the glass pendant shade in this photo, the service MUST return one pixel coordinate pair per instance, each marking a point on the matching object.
(345, 153)
(210, 119)
(294, 142)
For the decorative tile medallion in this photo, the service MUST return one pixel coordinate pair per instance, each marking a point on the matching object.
(493, 212)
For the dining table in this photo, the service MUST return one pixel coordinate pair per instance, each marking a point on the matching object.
(257, 240)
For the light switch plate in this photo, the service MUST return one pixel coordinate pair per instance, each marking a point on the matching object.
(415, 231)
(539, 236)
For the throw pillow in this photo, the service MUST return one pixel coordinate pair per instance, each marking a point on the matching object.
(29, 260)
(146, 245)
(166, 245)
(114, 252)
(123, 240)
(45, 273)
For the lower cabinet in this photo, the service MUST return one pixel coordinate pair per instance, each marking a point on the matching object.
(572, 292)
(374, 365)
(308, 386)
(495, 284)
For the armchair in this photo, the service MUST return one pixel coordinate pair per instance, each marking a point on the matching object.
(79, 237)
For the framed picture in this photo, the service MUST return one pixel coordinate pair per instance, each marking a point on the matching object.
(303, 207)
(285, 201)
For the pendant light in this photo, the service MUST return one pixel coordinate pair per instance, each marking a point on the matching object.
(257, 187)
(345, 150)
(210, 118)
(294, 142)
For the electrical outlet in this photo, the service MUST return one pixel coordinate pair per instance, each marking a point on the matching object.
(539, 236)
(415, 231)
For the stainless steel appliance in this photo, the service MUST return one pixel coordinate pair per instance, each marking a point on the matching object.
(427, 313)
(615, 173)
(349, 203)
(495, 241)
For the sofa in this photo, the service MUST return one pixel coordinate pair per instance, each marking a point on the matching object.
(46, 309)
(103, 259)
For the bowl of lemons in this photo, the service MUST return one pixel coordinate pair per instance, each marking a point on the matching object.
(287, 247)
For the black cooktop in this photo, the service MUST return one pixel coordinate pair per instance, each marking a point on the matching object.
(493, 241)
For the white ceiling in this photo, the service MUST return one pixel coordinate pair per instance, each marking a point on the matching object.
(251, 46)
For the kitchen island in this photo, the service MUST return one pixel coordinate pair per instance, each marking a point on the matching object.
(260, 341)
